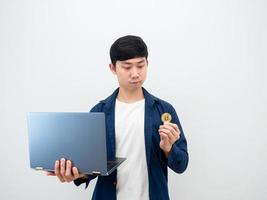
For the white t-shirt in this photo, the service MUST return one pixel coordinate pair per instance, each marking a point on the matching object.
(132, 174)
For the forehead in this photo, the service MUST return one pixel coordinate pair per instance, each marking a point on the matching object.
(133, 61)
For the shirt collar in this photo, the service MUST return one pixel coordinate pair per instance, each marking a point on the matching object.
(109, 102)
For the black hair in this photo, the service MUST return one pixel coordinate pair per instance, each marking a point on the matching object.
(127, 47)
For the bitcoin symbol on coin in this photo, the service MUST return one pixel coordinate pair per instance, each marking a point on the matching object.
(166, 117)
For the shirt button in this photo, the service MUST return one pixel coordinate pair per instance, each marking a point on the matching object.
(114, 183)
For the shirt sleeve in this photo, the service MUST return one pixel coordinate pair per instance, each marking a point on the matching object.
(80, 181)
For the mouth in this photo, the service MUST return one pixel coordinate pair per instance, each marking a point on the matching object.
(135, 82)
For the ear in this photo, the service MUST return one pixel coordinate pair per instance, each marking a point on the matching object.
(112, 68)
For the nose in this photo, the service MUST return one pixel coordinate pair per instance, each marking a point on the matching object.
(134, 73)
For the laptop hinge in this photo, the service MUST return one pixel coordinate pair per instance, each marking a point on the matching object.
(96, 173)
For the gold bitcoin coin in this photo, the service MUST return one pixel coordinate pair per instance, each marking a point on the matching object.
(166, 117)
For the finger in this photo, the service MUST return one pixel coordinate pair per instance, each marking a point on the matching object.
(50, 174)
(174, 130)
(165, 138)
(168, 133)
(177, 131)
(63, 168)
(57, 171)
(174, 126)
(68, 174)
(75, 172)
(169, 127)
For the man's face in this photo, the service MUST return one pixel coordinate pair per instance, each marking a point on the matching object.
(131, 73)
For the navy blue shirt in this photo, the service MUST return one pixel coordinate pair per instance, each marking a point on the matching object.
(157, 162)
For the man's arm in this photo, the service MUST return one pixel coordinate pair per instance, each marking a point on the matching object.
(173, 144)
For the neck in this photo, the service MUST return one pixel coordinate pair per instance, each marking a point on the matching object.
(130, 96)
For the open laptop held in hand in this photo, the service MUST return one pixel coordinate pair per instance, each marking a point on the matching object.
(79, 137)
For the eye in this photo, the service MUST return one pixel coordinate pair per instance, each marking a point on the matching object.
(140, 66)
(126, 67)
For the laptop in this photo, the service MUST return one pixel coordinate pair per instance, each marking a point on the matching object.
(79, 137)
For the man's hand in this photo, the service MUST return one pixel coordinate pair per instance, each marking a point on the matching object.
(169, 134)
(65, 172)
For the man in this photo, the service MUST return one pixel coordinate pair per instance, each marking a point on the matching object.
(141, 127)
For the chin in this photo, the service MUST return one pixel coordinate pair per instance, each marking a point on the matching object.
(135, 86)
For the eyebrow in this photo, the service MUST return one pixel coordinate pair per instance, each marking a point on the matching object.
(129, 63)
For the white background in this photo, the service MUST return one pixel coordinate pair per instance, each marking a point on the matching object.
(208, 58)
